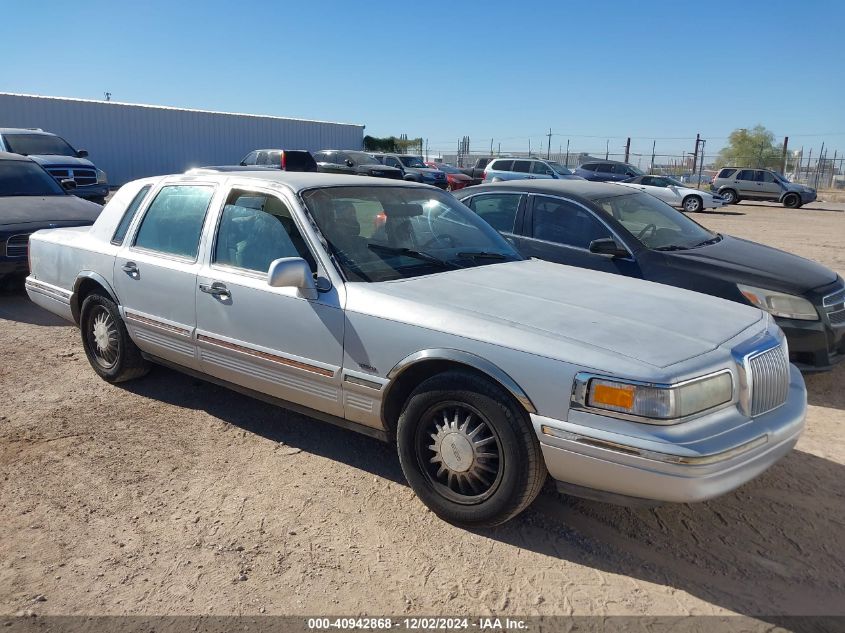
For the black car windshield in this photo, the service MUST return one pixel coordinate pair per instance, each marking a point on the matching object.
(25, 178)
(654, 223)
(38, 144)
(412, 161)
(385, 233)
(560, 169)
(363, 159)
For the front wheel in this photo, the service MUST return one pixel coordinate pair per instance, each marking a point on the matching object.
(729, 196)
(792, 200)
(692, 204)
(109, 349)
(468, 451)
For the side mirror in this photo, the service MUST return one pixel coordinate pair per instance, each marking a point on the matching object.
(68, 184)
(292, 272)
(608, 246)
(349, 163)
(242, 164)
(83, 153)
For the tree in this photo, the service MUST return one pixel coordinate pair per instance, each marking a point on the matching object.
(751, 148)
(391, 144)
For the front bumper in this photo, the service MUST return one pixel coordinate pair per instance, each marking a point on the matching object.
(808, 196)
(13, 266)
(619, 466)
(92, 192)
(814, 345)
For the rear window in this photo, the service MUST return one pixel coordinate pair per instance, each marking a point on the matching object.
(300, 161)
(129, 215)
(726, 173)
(502, 165)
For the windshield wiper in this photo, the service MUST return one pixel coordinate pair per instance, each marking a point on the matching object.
(410, 252)
(712, 240)
(671, 247)
(481, 255)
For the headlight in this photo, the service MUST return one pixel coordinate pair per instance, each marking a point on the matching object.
(653, 404)
(779, 303)
(102, 177)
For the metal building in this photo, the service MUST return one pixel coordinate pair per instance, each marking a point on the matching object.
(132, 141)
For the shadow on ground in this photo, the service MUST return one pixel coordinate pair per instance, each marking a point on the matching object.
(16, 306)
(773, 547)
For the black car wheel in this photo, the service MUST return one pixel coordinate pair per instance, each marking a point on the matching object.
(109, 349)
(468, 451)
(729, 196)
(792, 200)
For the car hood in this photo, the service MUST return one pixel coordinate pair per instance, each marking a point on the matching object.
(46, 209)
(557, 311)
(52, 159)
(742, 261)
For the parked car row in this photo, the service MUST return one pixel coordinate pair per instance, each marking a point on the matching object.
(391, 308)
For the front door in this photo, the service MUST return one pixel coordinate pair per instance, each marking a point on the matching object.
(560, 230)
(767, 187)
(155, 273)
(271, 340)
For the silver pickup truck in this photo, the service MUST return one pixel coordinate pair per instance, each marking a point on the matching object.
(392, 309)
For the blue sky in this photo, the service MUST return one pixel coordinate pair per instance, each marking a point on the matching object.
(591, 70)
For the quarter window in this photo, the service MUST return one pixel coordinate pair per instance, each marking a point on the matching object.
(129, 215)
(726, 173)
(254, 230)
(564, 222)
(497, 209)
(173, 222)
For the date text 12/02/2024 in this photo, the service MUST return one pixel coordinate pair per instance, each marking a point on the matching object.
(431, 624)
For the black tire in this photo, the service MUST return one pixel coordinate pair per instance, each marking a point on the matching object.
(692, 204)
(729, 196)
(115, 357)
(792, 201)
(504, 469)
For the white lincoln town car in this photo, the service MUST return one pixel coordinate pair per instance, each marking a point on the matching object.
(392, 309)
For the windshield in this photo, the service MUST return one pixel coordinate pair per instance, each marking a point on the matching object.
(24, 178)
(560, 169)
(654, 223)
(449, 169)
(412, 161)
(363, 159)
(385, 233)
(38, 144)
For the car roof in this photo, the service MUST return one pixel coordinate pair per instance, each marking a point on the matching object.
(297, 181)
(24, 130)
(604, 160)
(585, 189)
(277, 149)
(10, 156)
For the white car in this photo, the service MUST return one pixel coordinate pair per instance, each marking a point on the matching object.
(675, 193)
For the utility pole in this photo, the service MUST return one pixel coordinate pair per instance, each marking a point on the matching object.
(627, 149)
(426, 149)
(606, 149)
(549, 148)
(695, 153)
(701, 162)
(653, 146)
(566, 164)
(107, 95)
(491, 147)
(783, 158)
(529, 148)
(499, 152)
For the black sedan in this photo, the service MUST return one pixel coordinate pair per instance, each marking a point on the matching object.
(31, 199)
(611, 228)
(332, 161)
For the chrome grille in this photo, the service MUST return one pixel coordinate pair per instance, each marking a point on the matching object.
(769, 380)
(835, 299)
(17, 245)
(837, 318)
(82, 177)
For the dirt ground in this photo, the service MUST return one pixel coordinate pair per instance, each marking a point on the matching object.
(171, 496)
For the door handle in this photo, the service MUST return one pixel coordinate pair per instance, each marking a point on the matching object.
(216, 289)
(131, 269)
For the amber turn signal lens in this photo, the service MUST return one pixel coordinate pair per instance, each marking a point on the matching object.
(614, 396)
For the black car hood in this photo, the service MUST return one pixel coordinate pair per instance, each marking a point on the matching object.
(46, 209)
(742, 261)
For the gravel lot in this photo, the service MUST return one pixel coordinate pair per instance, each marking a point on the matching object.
(171, 496)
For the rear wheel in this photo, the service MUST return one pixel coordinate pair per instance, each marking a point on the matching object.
(692, 204)
(792, 200)
(729, 196)
(468, 451)
(109, 349)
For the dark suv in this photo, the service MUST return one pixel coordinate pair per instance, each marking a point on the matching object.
(284, 159)
(607, 171)
(413, 168)
(352, 162)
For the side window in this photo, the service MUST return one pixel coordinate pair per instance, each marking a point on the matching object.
(765, 176)
(321, 157)
(726, 173)
(540, 168)
(173, 222)
(522, 166)
(604, 168)
(255, 229)
(589, 167)
(263, 158)
(497, 209)
(565, 222)
(745, 174)
(651, 181)
(250, 158)
(392, 162)
(621, 169)
(129, 215)
(501, 165)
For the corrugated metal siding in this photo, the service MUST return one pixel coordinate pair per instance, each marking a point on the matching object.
(135, 141)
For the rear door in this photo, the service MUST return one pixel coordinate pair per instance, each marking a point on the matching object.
(155, 272)
(271, 340)
(560, 230)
